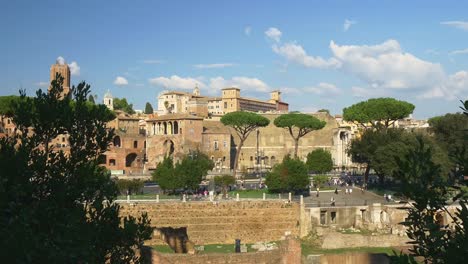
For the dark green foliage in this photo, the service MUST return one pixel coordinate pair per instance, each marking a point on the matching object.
(123, 105)
(224, 181)
(425, 184)
(6, 103)
(130, 186)
(186, 174)
(378, 112)
(243, 123)
(289, 176)
(299, 125)
(57, 207)
(320, 161)
(379, 149)
(450, 133)
(148, 108)
(91, 99)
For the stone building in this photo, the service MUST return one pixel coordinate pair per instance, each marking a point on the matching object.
(127, 151)
(61, 68)
(205, 106)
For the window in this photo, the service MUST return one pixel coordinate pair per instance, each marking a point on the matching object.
(135, 144)
(225, 104)
(144, 144)
(225, 143)
(112, 162)
(63, 139)
(8, 121)
(323, 217)
(216, 147)
(333, 217)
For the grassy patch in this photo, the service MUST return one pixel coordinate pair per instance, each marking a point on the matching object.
(163, 248)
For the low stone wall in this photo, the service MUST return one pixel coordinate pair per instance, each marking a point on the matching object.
(222, 223)
(334, 240)
(352, 258)
(289, 252)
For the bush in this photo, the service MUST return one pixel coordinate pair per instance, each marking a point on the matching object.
(289, 176)
(132, 186)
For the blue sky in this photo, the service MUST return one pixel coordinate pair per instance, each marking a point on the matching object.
(320, 54)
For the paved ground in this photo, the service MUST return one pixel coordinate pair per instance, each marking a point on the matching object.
(342, 199)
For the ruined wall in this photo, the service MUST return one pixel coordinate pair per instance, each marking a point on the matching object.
(289, 252)
(208, 223)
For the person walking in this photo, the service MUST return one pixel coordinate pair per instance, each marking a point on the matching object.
(332, 201)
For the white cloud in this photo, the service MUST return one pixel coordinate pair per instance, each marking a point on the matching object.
(74, 68)
(247, 30)
(387, 66)
(177, 82)
(244, 83)
(274, 34)
(153, 61)
(120, 81)
(296, 53)
(456, 52)
(60, 60)
(213, 66)
(323, 88)
(347, 24)
(463, 25)
(455, 87)
(367, 92)
(42, 84)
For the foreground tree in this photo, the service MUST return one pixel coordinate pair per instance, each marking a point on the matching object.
(148, 108)
(424, 183)
(378, 112)
(243, 123)
(291, 175)
(91, 99)
(58, 207)
(298, 125)
(320, 161)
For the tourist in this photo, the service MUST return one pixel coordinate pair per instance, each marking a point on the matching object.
(350, 190)
(336, 190)
(332, 200)
(346, 190)
(318, 191)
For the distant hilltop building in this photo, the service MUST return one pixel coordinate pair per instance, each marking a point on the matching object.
(62, 68)
(175, 102)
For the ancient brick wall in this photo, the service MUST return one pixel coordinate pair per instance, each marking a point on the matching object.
(208, 223)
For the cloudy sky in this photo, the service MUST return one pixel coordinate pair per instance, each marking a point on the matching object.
(320, 54)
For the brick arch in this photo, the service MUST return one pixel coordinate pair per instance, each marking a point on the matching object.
(130, 160)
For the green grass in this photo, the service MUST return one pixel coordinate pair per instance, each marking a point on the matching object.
(163, 248)
(254, 194)
(308, 250)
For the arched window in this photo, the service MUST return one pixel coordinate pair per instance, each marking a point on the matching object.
(266, 160)
(135, 144)
(176, 127)
(165, 128)
(112, 162)
(117, 142)
(273, 160)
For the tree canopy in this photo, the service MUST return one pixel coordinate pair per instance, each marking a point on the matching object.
(186, 174)
(320, 161)
(6, 103)
(378, 112)
(58, 207)
(148, 108)
(291, 175)
(243, 123)
(298, 125)
(123, 105)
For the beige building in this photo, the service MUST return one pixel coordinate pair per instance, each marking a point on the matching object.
(205, 106)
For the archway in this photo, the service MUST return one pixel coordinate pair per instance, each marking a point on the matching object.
(176, 127)
(130, 160)
(168, 148)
